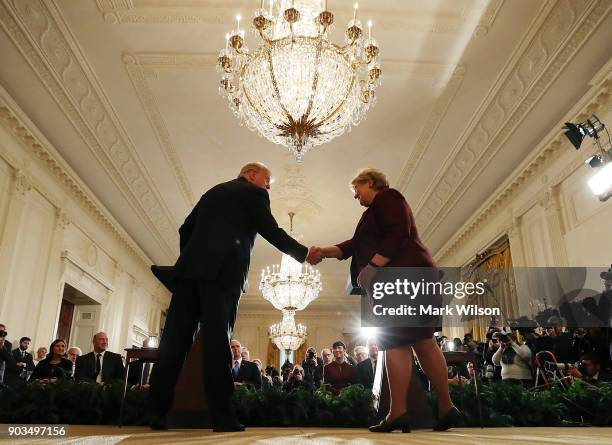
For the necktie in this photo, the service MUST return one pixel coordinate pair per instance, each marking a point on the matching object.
(98, 367)
(236, 369)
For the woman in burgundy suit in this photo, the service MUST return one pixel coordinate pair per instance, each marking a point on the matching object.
(386, 236)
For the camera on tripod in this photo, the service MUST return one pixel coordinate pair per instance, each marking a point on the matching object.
(553, 366)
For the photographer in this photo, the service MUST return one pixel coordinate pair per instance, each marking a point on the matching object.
(313, 368)
(590, 370)
(514, 360)
(492, 371)
(296, 380)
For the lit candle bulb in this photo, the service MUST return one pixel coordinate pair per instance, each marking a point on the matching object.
(324, 5)
(355, 12)
(261, 5)
(370, 30)
(226, 41)
(271, 3)
(238, 17)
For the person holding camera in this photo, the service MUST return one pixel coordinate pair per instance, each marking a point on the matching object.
(514, 360)
(296, 380)
(590, 370)
(313, 368)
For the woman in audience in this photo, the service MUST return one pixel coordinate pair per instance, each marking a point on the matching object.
(41, 353)
(56, 366)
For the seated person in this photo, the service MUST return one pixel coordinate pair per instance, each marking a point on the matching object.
(296, 380)
(243, 371)
(55, 366)
(590, 370)
(99, 366)
(24, 359)
(339, 373)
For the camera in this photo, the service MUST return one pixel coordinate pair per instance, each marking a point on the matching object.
(311, 354)
(3, 333)
(489, 372)
(552, 366)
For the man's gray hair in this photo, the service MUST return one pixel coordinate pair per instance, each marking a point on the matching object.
(252, 167)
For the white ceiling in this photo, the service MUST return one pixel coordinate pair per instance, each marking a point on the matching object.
(126, 90)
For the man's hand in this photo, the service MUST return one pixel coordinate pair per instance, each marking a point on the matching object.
(315, 255)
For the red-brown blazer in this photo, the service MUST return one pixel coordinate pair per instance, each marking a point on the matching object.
(386, 227)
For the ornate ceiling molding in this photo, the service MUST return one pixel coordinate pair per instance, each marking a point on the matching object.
(598, 99)
(24, 130)
(428, 131)
(38, 30)
(172, 12)
(138, 76)
(545, 51)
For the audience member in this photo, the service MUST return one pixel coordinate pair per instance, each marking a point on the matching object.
(3, 333)
(9, 371)
(243, 371)
(41, 354)
(266, 380)
(366, 369)
(590, 370)
(312, 367)
(296, 380)
(74, 352)
(246, 355)
(55, 366)
(339, 373)
(23, 358)
(326, 356)
(361, 353)
(100, 366)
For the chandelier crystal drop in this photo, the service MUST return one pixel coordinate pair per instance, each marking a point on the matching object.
(298, 89)
(287, 335)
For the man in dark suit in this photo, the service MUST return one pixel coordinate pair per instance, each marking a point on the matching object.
(100, 366)
(23, 358)
(244, 371)
(366, 369)
(210, 274)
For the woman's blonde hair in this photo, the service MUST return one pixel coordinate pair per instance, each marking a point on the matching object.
(378, 178)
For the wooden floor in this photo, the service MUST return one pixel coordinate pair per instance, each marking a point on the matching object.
(104, 435)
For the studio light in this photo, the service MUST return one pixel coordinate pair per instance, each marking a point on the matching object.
(577, 132)
(601, 182)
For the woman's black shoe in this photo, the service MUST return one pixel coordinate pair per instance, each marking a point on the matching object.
(450, 419)
(402, 422)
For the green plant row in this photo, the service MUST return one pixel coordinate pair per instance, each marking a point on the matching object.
(502, 405)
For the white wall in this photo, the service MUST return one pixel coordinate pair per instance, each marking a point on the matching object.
(54, 231)
(545, 207)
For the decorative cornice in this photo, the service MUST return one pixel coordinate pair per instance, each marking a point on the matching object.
(436, 115)
(542, 58)
(24, 130)
(598, 98)
(40, 33)
(168, 12)
(147, 99)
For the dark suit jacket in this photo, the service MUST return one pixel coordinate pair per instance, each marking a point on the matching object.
(217, 237)
(365, 373)
(112, 367)
(27, 359)
(249, 373)
(387, 227)
(11, 370)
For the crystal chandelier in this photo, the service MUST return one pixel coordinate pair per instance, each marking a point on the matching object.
(287, 335)
(297, 88)
(288, 286)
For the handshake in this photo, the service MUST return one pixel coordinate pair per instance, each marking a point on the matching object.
(315, 255)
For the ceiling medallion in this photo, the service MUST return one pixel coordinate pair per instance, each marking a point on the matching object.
(298, 89)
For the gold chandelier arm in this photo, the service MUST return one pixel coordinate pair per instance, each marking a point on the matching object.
(315, 80)
(275, 85)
